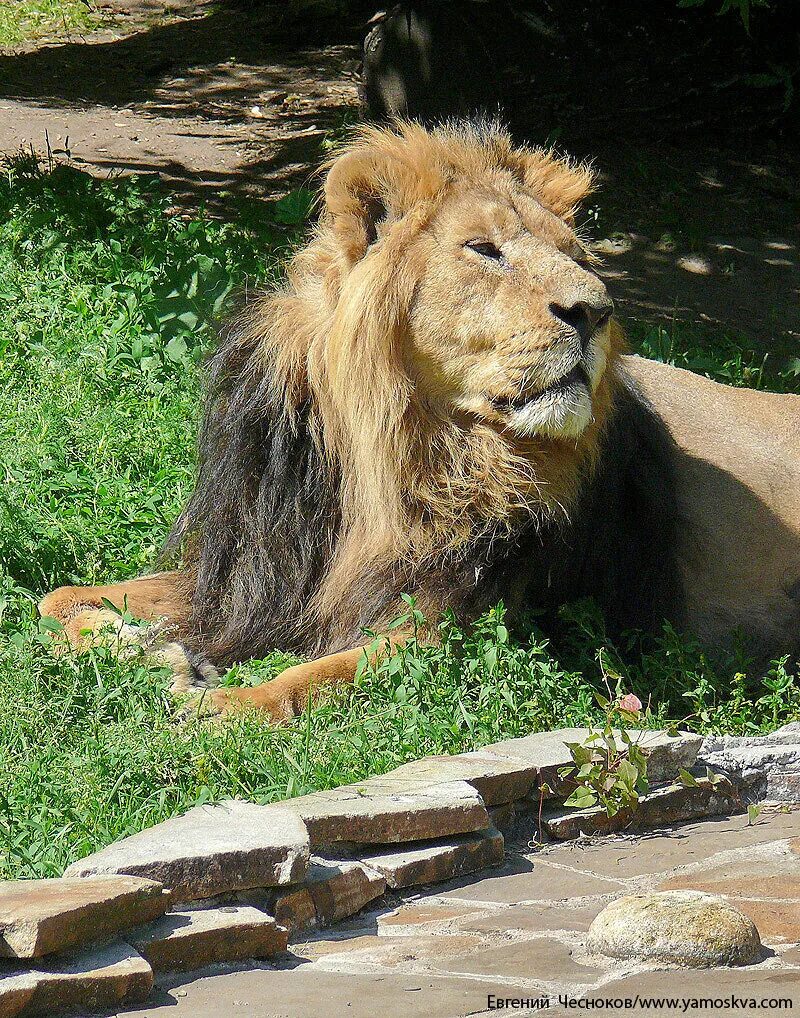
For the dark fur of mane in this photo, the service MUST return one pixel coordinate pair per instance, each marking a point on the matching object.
(619, 546)
(260, 527)
(259, 532)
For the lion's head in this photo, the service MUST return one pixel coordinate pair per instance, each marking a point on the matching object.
(471, 245)
(446, 348)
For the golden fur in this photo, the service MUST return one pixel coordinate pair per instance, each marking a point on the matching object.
(388, 350)
(428, 333)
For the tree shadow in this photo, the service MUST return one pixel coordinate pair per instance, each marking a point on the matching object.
(214, 55)
(703, 234)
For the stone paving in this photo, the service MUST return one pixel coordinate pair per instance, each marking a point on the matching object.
(521, 932)
(429, 880)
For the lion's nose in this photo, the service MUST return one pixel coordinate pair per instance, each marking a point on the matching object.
(583, 317)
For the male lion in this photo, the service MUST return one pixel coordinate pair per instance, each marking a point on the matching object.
(437, 403)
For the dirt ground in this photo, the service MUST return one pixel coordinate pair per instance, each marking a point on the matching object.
(217, 99)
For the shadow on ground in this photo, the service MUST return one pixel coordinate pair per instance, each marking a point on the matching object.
(227, 100)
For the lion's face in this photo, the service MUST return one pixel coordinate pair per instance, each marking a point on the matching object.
(456, 267)
(509, 324)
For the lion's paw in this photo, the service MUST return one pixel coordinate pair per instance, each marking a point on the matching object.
(191, 673)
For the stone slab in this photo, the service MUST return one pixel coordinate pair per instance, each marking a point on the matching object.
(662, 808)
(374, 812)
(544, 917)
(498, 779)
(385, 951)
(624, 856)
(548, 752)
(211, 850)
(522, 880)
(544, 959)
(770, 870)
(38, 917)
(788, 735)
(310, 992)
(93, 980)
(695, 986)
(181, 941)
(424, 913)
(331, 891)
(435, 861)
(764, 767)
(504, 817)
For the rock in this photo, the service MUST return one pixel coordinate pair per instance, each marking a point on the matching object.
(548, 752)
(94, 980)
(38, 917)
(332, 890)
(661, 808)
(211, 850)
(438, 860)
(763, 767)
(375, 812)
(498, 779)
(181, 941)
(788, 735)
(503, 817)
(677, 928)
(16, 992)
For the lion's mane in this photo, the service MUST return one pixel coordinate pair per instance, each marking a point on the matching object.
(325, 486)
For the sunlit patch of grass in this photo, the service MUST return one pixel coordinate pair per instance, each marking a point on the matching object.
(27, 20)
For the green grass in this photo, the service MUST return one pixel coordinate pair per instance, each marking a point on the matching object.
(24, 20)
(106, 299)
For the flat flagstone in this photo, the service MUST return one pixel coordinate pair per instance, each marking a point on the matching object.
(332, 890)
(374, 813)
(544, 917)
(520, 879)
(38, 917)
(308, 991)
(770, 870)
(498, 779)
(105, 977)
(181, 941)
(426, 913)
(435, 861)
(624, 856)
(548, 752)
(541, 958)
(696, 987)
(211, 850)
(661, 808)
(386, 951)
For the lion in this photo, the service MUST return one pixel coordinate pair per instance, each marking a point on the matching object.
(438, 402)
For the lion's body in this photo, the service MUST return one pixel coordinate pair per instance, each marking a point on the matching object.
(437, 404)
(737, 482)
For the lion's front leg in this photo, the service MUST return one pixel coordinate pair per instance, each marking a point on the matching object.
(290, 692)
(84, 613)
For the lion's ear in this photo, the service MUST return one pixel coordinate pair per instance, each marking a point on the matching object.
(362, 198)
(560, 185)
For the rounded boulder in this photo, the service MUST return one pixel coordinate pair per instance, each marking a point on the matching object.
(689, 928)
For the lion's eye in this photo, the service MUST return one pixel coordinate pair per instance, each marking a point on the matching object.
(486, 250)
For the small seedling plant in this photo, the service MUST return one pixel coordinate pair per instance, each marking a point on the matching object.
(609, 768)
